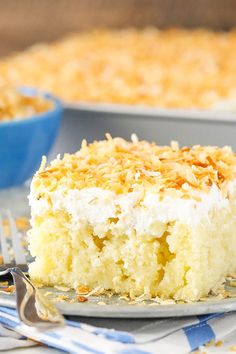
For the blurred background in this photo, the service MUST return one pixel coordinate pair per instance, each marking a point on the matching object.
(25, 22)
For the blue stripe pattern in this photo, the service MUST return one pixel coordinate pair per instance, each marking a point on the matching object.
(9, 311)
(8, 323)
(210, 316)
(133, 351)
(199, 334)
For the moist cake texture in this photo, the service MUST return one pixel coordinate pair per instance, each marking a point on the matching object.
(173, 68)
(135, 218)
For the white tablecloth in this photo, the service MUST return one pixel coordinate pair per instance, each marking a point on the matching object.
(137, 336)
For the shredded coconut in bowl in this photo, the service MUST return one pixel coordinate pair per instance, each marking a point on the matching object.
(15, 105)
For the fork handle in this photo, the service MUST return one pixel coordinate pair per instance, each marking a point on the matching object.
(32, 307)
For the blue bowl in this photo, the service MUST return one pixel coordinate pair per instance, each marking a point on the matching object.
(23, 142)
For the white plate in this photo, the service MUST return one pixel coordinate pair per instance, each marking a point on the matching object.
(114, 307)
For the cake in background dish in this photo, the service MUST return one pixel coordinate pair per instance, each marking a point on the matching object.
(175, 68)
(135, 218)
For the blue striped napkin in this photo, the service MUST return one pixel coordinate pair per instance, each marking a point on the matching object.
(167, 336)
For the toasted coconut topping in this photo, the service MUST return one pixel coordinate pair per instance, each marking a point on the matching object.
(122, 167)
(15, 105)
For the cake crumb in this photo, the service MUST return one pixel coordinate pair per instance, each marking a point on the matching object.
(96, 291)
(9, 290)
(219, 343)
(61, 288)
(124, 297)
(48, 293)
(168, 302)
(22, 223)
(3, 283)
(210, 343)
(82, 289)
(82, 298)
(153, 304)
(232, 283)
(38, 285)
(62, 298)
(101, 303)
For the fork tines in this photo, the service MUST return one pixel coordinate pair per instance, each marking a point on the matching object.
(13, 254)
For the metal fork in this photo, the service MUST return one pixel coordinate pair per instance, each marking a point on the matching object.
(33, 308)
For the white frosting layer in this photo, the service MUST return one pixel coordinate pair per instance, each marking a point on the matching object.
(96, 206)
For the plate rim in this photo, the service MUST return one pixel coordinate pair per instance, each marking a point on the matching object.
(224, 116)
(138, 310)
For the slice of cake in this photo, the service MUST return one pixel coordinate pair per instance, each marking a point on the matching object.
(136, 218)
